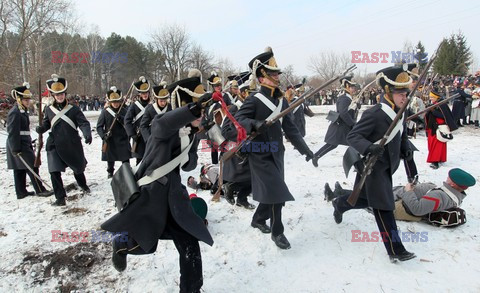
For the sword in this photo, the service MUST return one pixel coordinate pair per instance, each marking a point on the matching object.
(33, 172)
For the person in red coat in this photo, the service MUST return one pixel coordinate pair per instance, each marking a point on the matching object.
(437, 149)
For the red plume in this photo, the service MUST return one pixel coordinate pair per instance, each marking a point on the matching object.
(241, 132)
(45, 93)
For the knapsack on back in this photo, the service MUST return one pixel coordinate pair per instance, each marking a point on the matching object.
(451, 217)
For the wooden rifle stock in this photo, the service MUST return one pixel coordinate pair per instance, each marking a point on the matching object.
(39, 144)
(228, 155)
(371, 160)
(109, 131)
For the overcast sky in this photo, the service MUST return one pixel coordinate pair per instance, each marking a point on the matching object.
(296, 30)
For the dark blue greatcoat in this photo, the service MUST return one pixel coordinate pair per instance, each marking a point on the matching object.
(64, 145)
(18, 120)
(266, 161)
(146, 217)
(369, 129)
(118, 145)
(337, 131)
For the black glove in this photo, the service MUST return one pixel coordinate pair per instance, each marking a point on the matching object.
(375, 150)
(207, 124)
(202, 102)
(196, 108)
(259, 126)
(88, 139)
(16, 154)
(40, 129)
(309, 155)
(408, 155)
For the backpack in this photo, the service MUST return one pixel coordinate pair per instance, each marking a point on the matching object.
(451, 217)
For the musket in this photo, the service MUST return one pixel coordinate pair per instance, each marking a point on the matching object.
(426, 90)
(228, 155)
(216, 196)
(31, 170)
(109, 131)
(135, 141)
(39, 144)
(371, 160)
(354, 102)
(432, 107)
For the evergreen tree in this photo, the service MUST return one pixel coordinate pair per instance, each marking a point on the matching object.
(421, 57)
(454, 56)
(463, 55)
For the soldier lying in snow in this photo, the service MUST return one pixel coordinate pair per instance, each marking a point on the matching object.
(417, 202)
(208, 178)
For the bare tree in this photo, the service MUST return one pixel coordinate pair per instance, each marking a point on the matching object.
(201, 59)
(174, 44)
(224, 67)
(288, 77)
(93, 42)
(329, 64)
(24, 20)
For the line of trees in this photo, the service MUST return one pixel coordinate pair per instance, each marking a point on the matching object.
(36, 41)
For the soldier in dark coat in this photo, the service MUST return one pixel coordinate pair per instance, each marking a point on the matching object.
(64, 146)
(134, 117)
(266, 151)
(160, 106)
(459, 104)
(118, 146)
(19, 143)
(364, 137)
(299, 111)
(337, 130)
(163, 209)
(236, 171)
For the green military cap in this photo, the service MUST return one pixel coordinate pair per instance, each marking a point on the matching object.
(199, 206)
(461, 178)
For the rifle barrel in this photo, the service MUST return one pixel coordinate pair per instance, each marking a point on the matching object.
(228, 155)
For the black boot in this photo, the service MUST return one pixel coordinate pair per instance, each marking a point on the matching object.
(328, 193)
(337, 215)
(229, 194)
(82, 182)
(45, 193)
(245, 204)
(281, 241)
(110, 175)
(434, 165)
(338, 188)
(402, 256)
(119, 259)
(59, 202)
(262, 227)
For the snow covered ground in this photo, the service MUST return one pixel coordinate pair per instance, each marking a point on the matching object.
(323, 257)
